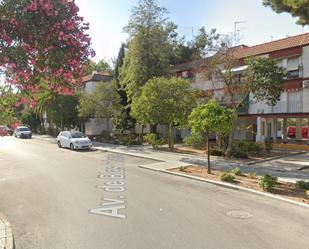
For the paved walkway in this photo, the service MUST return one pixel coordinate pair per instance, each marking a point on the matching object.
(287, 169)
(290, 168)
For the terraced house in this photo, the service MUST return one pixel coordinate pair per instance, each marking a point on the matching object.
(288, 120)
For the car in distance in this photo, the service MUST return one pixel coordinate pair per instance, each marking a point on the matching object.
(75, 140)
(4, 130)
(22, 132)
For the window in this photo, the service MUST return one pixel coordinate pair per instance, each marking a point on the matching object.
(293, 74)
(293, 68)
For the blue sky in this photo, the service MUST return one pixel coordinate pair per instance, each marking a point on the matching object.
(108, 17)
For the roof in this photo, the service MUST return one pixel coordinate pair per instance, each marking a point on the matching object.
(98, 76)
(285, 43)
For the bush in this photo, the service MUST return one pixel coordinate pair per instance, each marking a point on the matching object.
(267, 182)
(269, 144)
(307, 193)
(182, 169)
(240, 154)
(195, 140)
(154, 140)
(252, 175)
(216, 152)
(227, 177)
(236, 171)
(249, 146)
(302, 185)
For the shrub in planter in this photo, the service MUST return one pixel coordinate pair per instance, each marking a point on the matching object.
(249, 146)
(240, 154)
(267, 182)
(269, 144)
(227, 177)
(216, 152)
(237, 171)
(252, 175)
(195, 140)
(302, 185)
(182, 169)
(154, 140)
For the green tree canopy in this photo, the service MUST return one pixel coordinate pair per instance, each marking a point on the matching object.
(210, 118)
(297, 8)
(62, 111)
(165, 101)
(102, 103)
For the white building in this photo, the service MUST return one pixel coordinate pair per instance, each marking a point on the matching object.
(258, 120)
(96, 126)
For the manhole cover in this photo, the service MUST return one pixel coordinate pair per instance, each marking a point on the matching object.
(239, 214)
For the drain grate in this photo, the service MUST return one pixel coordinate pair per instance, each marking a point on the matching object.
(238, 214)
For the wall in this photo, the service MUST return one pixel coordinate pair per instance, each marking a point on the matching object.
(95, 126)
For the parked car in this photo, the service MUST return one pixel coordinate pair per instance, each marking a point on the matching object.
(75, 140)
(22, 132)
(4, 130)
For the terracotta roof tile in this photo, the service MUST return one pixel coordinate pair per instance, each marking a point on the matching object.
(289, 42)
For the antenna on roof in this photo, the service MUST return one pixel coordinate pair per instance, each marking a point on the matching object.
(237, 32)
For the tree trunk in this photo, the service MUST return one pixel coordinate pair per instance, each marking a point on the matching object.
(171, 137)
(208, 156)
(228, 152)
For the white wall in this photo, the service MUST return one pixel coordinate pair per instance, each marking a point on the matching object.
(95, 126)
(305, 61)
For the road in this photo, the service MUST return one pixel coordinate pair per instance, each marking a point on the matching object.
(59, 199)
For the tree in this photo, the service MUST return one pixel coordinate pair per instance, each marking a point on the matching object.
(101, 66)
(123, 121)
(210, 118)
(30, 119)
(62, 111)
(149, 49)
(262, 78)
(297, 8)
(165, 101)
(102, 103)
(43, 45)
(8, 102)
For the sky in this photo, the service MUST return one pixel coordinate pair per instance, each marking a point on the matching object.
(260, 24)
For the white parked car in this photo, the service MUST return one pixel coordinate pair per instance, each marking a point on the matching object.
(75, 140)
(22, 132)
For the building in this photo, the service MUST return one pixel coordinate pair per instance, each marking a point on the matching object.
(96, 126)
(259, 120)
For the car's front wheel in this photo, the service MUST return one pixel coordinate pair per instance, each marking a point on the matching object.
(59, 144)
(71, 146)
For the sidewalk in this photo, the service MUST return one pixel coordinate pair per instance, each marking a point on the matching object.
(286, 169)
(282, 168)
(6, 235)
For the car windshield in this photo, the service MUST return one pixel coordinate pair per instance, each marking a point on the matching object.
(78, 135)
(24, 129)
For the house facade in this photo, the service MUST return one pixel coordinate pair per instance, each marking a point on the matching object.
(288, 120)
(96, 126)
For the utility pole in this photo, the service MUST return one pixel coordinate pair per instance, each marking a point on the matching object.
(236, 32)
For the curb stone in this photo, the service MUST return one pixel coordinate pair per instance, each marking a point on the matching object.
(6, 234)
(230, 186)
(277, 157)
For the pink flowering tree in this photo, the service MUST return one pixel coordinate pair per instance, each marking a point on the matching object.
(44, 49)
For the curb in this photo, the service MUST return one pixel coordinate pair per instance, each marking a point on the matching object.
(6, 235)
(230, 186)
(277, 157)
(126, 153)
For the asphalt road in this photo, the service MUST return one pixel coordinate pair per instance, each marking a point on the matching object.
(61, 199)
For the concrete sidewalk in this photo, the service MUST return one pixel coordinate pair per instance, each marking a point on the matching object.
(6, 235)
(166, 160)
(286, 168)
